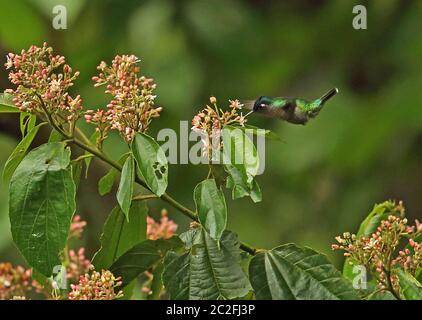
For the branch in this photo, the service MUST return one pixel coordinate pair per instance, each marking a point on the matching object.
(165, 197)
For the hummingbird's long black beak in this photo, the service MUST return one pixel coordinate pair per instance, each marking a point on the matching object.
(328, 95)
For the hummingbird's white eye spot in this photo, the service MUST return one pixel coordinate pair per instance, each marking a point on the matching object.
(262, 105)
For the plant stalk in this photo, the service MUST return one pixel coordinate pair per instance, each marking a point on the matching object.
(98, 153)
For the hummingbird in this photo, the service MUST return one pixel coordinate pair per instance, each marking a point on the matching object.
(293, 110)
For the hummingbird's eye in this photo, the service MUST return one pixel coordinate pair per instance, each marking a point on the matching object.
(258, 104)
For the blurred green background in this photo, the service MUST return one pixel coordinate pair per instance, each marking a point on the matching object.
(323, 178)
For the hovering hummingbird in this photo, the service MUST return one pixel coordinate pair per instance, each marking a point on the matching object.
(293, 110)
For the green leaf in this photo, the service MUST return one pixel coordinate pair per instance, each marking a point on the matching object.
(410, 288)
(55, 136)
(76, 172)
(41, 205)
(219, 174)
(378, 295)
(379, 212)
(368, 226)
(142, 256)
(105, 184)
(152, 163)
(119, 235)
(208, 271)
(26, 122)
(241, 162)
(240, 151)
(6, 104)
(211, 208)
(241, 184)
(125, 191)
(17, 155)
(289, 272)
(255, 192)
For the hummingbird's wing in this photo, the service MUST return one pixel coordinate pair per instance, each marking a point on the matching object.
(248, 104)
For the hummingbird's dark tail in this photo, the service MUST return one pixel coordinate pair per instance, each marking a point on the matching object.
(328, 95)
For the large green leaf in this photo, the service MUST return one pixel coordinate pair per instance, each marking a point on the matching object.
(410, 288)
(17, 155)
(241, 162)
(152, 162)
(368, 226)
(240, 150)
(125, 191)
(119, 235)
(41, 205)
(207, 271)
(211, 208)
(289, 272)
(143, 256)
(6, 104)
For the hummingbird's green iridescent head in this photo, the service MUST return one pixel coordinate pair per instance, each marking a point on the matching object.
(262, 102)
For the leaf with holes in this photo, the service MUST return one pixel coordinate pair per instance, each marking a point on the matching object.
(290, 272)
(208, 271)
(152, 163)
(27, 121)
(41, 205)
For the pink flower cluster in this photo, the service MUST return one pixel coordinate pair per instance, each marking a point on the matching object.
(377, 251)
(410, 259)
(43, 80)
(78, 264)
(15, 281)
(211, 120)
(77, 227)
(132, 107)
(97, 286)
(163, 229)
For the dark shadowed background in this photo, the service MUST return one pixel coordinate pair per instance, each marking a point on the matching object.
(323, 178)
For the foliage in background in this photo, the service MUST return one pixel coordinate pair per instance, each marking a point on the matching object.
(324, 176)
(204, 262)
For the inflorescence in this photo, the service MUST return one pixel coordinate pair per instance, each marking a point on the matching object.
(132, 107)
(377, 252)
(96, 286)
(42, 82)
(211, 120)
